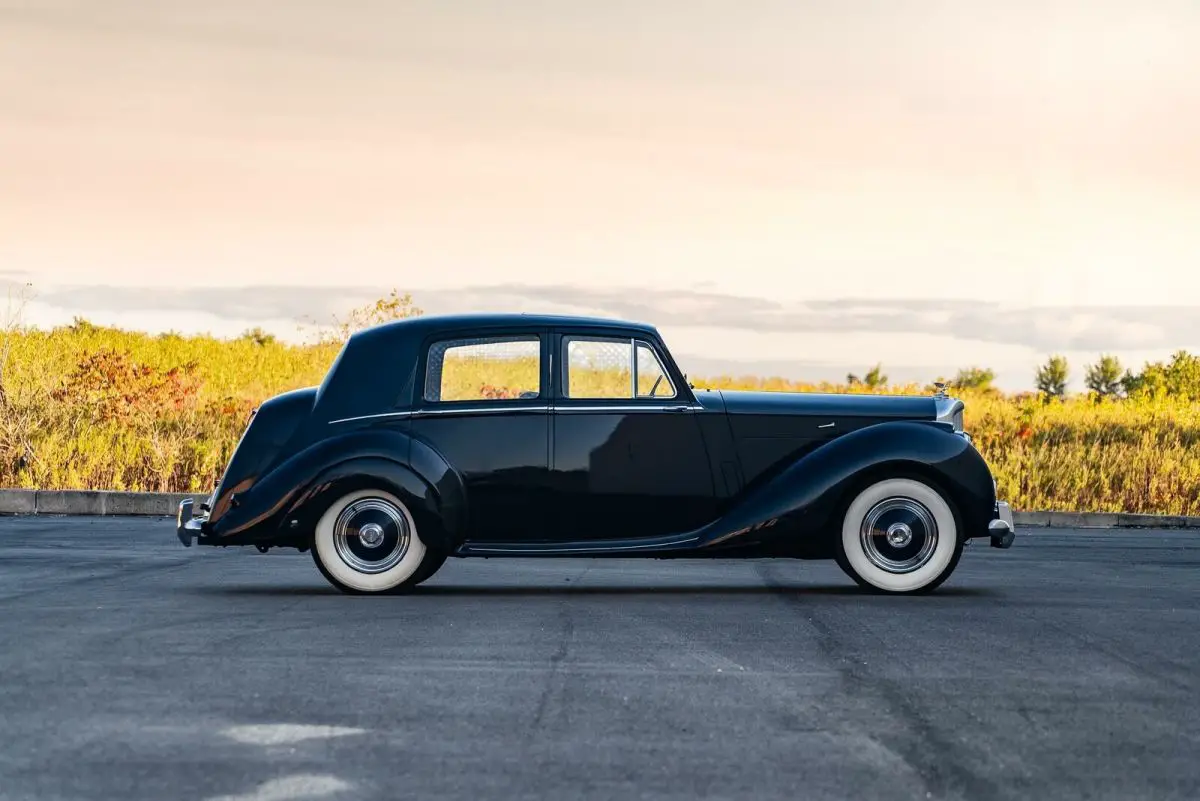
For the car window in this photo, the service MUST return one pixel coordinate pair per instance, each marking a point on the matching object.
(652, 379)
(598, 368)
(484, 369)
(605, 367)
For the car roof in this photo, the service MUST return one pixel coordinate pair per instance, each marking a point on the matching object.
(433, 322)
(344, 393)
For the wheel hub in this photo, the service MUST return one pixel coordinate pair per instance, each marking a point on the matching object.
(371, 535)
(899, 535)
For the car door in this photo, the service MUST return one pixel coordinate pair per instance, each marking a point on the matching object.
(485, 407)
(628, 456)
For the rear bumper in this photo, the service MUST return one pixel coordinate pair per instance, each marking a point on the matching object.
(1001, 529)
(189, 525)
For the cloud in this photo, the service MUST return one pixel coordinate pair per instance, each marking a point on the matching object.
(231, 303)
(1040, 328)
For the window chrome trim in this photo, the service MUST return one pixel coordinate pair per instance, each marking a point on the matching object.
(381, 416)
(479, 409)
(438, 412)
(630, 407)
(632, 367)
(624, 408)
(662, 368)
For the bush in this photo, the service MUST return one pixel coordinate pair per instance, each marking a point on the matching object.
(89, 407)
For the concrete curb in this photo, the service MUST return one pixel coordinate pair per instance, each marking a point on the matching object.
(1101, 520)
(91, 502)
(96, 502)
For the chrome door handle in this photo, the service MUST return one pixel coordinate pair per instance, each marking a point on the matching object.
(827, 425)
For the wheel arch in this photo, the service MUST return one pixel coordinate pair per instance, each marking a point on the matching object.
(437, 516)
(899, 468)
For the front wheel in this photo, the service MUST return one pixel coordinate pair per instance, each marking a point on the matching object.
(367, 542)
(899, 535)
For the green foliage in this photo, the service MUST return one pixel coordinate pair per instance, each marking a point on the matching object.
(974, 378)
(874, 379)
(1178, 379)
(1104, 377)
(1051, 378)
(258, 336)
(385, 310)
(92, 407)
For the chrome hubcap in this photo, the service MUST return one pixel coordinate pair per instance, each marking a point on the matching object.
(371, 535)
(899, 535)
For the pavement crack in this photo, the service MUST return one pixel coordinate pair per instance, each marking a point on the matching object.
(555, 680)
(936, 759)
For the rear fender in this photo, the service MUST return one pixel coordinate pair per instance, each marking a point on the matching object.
(392, 459)
(415, 492)
(807, 498)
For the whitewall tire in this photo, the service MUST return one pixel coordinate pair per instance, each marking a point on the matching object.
(367, 542)
(899, 535)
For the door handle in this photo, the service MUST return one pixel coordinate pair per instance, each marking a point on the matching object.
(827, 425)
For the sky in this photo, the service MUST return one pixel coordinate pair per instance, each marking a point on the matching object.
(800, 188)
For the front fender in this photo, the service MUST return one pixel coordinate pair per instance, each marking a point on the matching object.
(807, 498)
(294, 489)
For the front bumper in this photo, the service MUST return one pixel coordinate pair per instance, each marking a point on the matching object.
(1001, 529)
(188, 525)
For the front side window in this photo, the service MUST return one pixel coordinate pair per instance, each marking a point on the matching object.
(484, 369)
(604, 367)
(652, 379)
(599, 368)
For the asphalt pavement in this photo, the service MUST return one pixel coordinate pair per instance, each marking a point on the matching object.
(132, 668)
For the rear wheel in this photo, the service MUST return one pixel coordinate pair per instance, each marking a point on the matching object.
(367, 542)
(899, 535)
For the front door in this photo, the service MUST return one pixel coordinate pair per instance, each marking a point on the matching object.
(628, 454)
(485, 408)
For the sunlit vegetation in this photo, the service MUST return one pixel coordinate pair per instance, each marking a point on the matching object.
(89, 407)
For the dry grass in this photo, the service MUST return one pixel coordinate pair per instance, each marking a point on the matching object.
(85, 407)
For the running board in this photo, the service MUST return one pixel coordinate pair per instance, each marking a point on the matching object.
(580, 547)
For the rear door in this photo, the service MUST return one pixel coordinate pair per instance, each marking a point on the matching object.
(628, 454)
(485, 407)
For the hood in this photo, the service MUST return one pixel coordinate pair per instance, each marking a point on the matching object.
(806, 404)
(774, 429)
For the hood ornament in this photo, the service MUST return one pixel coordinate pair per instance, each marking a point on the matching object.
(940, 386)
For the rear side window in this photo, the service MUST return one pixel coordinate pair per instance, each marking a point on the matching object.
(484, 369)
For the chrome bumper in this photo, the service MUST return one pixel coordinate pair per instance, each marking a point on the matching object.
(188, 526)
(1001, 528)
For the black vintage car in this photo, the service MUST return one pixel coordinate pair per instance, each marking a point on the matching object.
(519, 435)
